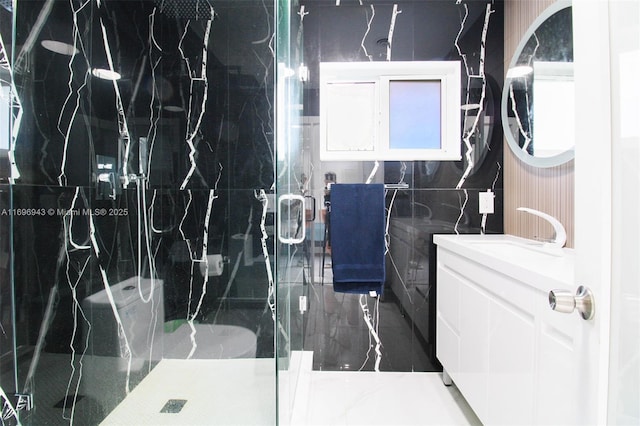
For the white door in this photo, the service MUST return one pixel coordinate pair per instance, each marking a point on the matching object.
(606, 37)
(624, 359)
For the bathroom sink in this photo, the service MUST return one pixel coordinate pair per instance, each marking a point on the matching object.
(527, 260)
(520, 247)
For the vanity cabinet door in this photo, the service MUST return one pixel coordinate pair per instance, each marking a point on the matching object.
(557, 374)
(462, 330)
(486, 334)
(448, 321)
(473, 377)
(511, 346)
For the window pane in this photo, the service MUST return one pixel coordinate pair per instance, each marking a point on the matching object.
(351, 118)
(414, 115)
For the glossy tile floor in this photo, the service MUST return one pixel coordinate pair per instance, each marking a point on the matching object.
(385, 398)
(337, 335)
(332, 392)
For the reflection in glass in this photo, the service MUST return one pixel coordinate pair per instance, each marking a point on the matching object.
(119, 285)
(553, 92)
(538, 100)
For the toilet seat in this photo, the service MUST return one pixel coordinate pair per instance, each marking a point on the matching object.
(213, 341)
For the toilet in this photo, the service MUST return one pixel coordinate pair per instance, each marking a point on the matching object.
(142, 322)
(139, 303)
(210, 342)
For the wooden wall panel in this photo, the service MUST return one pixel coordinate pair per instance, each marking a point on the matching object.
(550, 190)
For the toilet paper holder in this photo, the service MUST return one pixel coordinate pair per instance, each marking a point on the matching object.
(214, 265)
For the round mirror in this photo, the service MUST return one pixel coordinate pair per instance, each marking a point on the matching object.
(538, 95)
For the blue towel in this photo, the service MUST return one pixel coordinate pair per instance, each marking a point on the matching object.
(357, 238)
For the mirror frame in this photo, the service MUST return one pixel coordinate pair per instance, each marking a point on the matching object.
(542, 162)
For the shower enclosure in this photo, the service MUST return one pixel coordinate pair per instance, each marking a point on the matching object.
(151, 214)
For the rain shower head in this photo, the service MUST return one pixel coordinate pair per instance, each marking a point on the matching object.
(186, 9)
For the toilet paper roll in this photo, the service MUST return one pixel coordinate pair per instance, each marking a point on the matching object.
(215, 263)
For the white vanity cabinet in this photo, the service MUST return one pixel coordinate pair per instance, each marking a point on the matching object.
(497, 338)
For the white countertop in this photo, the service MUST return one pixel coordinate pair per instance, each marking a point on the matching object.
(526, 260)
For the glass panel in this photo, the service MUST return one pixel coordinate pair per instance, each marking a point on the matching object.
(423, 197)
(291, 264)
(351, 116)
(9, 352)
(144, 243)
(414, 115)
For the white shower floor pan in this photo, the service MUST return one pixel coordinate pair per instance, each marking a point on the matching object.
(203, 392)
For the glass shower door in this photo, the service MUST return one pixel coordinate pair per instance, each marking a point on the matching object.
(145, 280)
(292, 263)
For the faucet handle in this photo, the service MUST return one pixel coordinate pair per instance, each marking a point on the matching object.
(560, 238)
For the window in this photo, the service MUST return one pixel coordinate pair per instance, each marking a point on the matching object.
(395, 111)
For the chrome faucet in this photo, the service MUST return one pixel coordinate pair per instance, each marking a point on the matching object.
(560, 238)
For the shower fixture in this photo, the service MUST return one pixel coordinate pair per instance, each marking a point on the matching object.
(59, 47)
(189, 9)
(106, 178)
(173, 108)
(105, 74)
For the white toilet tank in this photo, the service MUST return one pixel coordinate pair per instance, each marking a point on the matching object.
(140, 308)
(115, 362)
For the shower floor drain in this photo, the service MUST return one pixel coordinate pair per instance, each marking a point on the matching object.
(173, 406)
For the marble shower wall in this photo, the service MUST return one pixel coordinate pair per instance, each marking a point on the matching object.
(199, 89)
(442, 197)
(143, 176)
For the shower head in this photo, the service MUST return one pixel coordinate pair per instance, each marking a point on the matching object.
(186, 9)
(7, 4)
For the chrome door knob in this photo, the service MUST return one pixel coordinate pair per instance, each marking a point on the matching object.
(564, 301)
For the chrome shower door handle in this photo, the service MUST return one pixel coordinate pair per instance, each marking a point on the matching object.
(564, 301)
(300, 220)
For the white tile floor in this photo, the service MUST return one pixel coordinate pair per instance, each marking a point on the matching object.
(368, 398)
(212, 388)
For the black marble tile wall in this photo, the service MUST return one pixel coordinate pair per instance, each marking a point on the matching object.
(442, 197)
(161, 172)
(200, 93)
(142, 176)
(7, 363)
